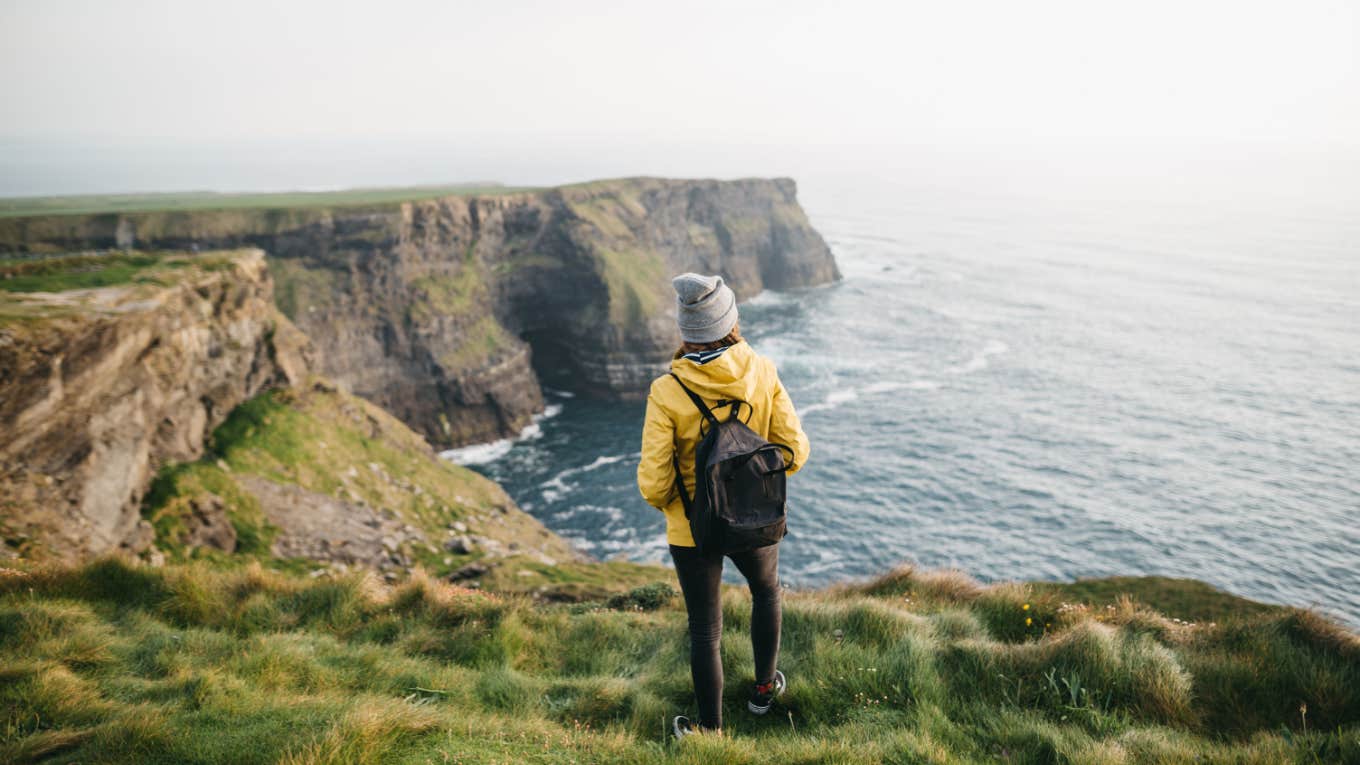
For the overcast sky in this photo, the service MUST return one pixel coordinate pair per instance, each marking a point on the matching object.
(507, 74)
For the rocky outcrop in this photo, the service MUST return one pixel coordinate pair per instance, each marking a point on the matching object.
(322, 528)
(310, 472)
(100, 387)
(447, 312)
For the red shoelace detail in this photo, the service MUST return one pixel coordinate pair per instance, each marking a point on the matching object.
(766, 688)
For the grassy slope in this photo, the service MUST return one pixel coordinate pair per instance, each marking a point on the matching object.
(109, 663)
(339, 445)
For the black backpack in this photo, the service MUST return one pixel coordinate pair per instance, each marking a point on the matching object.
(739, 496)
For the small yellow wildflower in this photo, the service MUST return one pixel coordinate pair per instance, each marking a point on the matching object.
(1028, 621)
(1024, 607)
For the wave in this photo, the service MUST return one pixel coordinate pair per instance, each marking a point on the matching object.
(479, 454)
(835, 398)
(981, 359)
(608, 513)
(490, 451)
(888, 386)
(771, 297)
(557, 487)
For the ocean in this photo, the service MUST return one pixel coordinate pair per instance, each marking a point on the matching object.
(1035, 388)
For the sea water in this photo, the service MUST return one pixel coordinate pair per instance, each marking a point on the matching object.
(1027, 388)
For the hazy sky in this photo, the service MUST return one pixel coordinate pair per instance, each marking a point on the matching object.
(539, 75)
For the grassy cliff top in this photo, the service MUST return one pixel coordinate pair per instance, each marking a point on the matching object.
(76, 285)
(98, 204)
(90, 271)
(195, 663)
(90, 204)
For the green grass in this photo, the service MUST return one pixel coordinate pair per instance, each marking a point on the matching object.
(453, 294)
(195, 663)
(299, 286)
(1187, 599)
(15, 207)
(637, 285)
(479, 343)
(89, 271)
(332, 443)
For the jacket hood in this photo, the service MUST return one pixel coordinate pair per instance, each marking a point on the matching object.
(730, 375)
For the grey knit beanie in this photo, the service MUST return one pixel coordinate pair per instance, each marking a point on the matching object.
(706, 308)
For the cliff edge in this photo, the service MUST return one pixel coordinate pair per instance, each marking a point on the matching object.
(448, 311)
(100, 385)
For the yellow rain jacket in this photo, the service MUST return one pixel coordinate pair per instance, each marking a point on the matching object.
(672, 424)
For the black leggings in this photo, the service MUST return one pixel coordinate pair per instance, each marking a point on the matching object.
(701, 582)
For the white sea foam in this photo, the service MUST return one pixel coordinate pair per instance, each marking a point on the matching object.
(557, 487)
(604, 528)
(559, 393)
(980, 360)
(609, 460)
(836, 398)
(884, 386)
(770, 297)
(833, 399)
(888, 386)
(490, 451)
(479, 454)
(607, 514)
(841, 396)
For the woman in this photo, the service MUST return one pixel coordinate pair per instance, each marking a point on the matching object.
(715, 363)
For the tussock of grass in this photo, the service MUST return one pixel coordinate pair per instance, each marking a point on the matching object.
(109, 662)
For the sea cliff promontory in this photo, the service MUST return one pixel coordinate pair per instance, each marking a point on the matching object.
(448, 311)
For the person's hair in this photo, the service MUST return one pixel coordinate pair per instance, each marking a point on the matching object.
(732, 338)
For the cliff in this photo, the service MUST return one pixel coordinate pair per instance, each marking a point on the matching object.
(101, 385)
(161, 405)
(448, 311)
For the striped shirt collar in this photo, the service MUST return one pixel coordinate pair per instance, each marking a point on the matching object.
(703, 357)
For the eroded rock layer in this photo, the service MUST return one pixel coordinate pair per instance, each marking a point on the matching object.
(100, 387)
(446, 312)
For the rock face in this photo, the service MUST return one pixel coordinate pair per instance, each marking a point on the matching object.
(447, 312)
(100, 387)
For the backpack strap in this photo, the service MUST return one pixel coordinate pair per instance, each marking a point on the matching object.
(711, 418)
(680, 486)
(703, 408)
(675, 455)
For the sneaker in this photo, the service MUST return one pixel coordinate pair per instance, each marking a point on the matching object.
(762, 698)
(681, 727)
